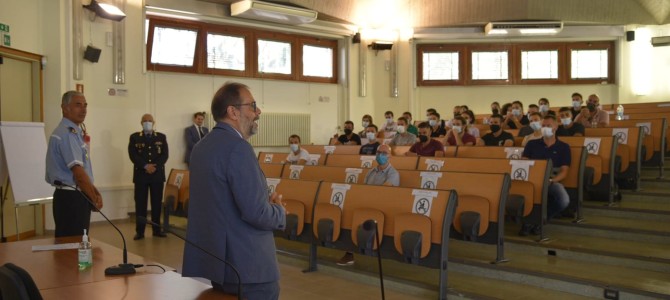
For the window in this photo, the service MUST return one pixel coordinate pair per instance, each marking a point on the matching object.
(274, 57)
(490, 65)
(440, 65)
(173, 46)
(225, 52)
(318, 59)
(588, 64)
(540, 64)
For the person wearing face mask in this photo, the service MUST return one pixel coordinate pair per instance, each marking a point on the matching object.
(577, 102)
(536, 126)
(438, 126)
(390, 127)
(497, 136)
(469, 118)
(550, 147)
(383, 174)
(349, 137)
(298, 155)
(592, 115)
(543, 105)
(367, 120)
(495, 110)
(148, 150)
(568, 127)
(515, 118)
(410, 125)
(526, 130)
(371, 147)
(458, 135)
(403, 138)
(426, 146)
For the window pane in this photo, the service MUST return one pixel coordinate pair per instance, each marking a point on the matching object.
(225, 52)
(489, 65)
(589, 64)
(274, 57)
(440, 66)
(173, 46)
(317, 61)
(539, 64)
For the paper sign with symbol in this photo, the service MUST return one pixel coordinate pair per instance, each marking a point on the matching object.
(646, 127)
(178, 179)
(268, 158)
(314, 159)
(339, 194)
(592, 145)
(513, 152)
(621, 134)
(295, 171)
(328, 149)
(429, 180)
(423, 202)
(520, 169)
(434, 164)
(352, 175)
(366, 161)
(272, 184)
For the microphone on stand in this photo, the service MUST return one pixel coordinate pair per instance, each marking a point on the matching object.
(372, 225)
(232, 267)
(122, 269)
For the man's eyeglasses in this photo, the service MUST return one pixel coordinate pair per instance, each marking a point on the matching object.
(252, 104)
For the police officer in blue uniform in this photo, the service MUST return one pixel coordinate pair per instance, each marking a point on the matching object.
(68, 161)
(148, 151)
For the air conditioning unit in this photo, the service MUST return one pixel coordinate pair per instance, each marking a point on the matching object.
(660, 41)
(271, 12)
(523, 28)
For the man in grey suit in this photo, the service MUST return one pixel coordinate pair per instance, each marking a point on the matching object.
(230, 212)
(193, 134)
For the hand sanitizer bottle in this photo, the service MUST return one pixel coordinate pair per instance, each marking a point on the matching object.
(85, 252)
(619, 112)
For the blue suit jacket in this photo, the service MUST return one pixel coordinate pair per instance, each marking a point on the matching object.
(192, 137)
(229, 212)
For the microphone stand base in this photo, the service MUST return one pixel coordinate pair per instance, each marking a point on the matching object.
(121, 269)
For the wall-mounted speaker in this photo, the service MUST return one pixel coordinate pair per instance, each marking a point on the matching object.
(92, 54)
(630, 36)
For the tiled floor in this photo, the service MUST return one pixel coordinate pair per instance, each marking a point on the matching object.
(294, 283)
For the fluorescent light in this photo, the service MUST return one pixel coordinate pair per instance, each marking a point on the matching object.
(538, 31)
(498, 31)
(106, 11)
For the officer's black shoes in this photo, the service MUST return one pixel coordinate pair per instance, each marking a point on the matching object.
(160, 234)
(138, 236)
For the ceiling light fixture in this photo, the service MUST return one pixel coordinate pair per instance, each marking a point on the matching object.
(106, 11)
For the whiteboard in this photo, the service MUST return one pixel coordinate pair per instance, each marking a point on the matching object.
(23, 158)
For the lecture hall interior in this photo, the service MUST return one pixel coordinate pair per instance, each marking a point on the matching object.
(454, 226)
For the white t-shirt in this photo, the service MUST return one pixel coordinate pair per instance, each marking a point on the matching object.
(303, 154)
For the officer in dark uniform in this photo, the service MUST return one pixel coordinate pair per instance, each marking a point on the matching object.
(148, 151)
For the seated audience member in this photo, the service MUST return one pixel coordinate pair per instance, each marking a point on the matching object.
(549, 147)
(568, 127)
(425, 146)
(458, 135)
(410, 123)
(464, 108)
(497, 136)
(371, 147)
(365, 122)
(437, 125)
(349, 137)
(543, 104)
(389, 127)
(495, 110)
(593, 115)
(536, 126)
(383, 174)
(577, 102)
(297, 155)
(515, 118)
(526, 130)
(403, 138)
(469, 118)
(430, 111)
(506, 108)
(457, 110)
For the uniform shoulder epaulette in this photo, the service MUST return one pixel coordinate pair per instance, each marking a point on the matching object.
(72, 129)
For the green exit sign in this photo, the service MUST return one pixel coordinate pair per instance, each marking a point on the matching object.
(7, 41)
(4, 27)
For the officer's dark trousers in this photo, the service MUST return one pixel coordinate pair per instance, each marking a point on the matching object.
(72, 213)
(141, 192)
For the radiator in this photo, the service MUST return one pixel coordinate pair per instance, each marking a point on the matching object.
(275, 128)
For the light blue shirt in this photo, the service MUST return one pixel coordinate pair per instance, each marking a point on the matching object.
(67, 149)
(377, 176)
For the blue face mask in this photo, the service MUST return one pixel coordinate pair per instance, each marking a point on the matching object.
(382, 159)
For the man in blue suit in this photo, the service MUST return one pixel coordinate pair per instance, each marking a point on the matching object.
(230, 212)
(193, 134)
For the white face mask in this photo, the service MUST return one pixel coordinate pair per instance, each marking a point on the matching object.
(544, 108)
(147, 126)
(365, 124)
(566, 121)
(294, 147)
(432, 122)
(458, 129)
(516, 112)
(389, 120)
(576, 104)
(370, 136)
(401, 129)
(535, 125)
(547, 132)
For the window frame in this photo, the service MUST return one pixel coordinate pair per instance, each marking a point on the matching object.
(176, 24)
(317, 42)
(511, 61)
(275, 37)
(560, 47)
(609, 46)
(437, 48)
(235, 32)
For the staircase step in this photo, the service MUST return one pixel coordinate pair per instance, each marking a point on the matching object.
(615, 228)
(631, 209)
(650, 194)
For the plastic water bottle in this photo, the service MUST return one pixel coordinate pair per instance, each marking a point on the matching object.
(85, 252)
(619, 112)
